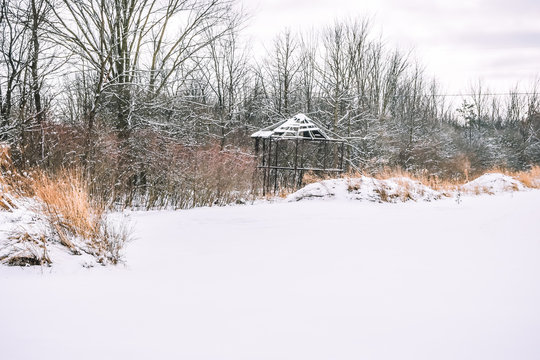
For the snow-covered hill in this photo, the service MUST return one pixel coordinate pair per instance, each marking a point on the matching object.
(493, 183)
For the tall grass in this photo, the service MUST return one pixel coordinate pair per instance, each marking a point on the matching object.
(76, 217)
(63, 200)
(530, 178)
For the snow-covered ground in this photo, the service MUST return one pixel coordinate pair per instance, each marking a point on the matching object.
(329, 279)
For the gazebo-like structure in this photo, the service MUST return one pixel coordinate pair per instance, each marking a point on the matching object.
(292, 147)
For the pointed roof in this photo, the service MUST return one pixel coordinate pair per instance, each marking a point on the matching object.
(297, 127)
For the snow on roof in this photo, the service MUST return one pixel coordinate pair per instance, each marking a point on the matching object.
(297, 127)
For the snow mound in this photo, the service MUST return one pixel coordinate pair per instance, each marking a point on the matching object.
(492, 184)
(367, 189)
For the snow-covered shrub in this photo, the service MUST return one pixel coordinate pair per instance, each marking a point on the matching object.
(164, 173)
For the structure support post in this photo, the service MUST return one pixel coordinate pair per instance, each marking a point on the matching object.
(264, 165)
(342, 155)
(276, 170)
(295, 162)
(301, 173)
(267, 169)
(325, 155)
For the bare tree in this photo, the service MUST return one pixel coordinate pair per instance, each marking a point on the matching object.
(124, 40)
(280, 70)
(14, 51)
(227, 72)
(307, 82)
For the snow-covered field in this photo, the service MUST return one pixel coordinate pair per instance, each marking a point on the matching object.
(324, 279)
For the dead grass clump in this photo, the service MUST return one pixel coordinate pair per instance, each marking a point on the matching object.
(311, 177)
(79, 222)
(531, 178)
(405, 193)
(384, 195)
(6, 202)
(446, 186)
(5, 156)
(62, 212)
(25, 249)
(68, 205)
(354, 184)
(12, 183)
(405, 189)
(6, 199)
(479, 190)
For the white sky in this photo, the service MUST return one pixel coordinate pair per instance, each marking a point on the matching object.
(459, 42)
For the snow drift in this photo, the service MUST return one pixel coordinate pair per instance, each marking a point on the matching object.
(393, 190)
(493, 183)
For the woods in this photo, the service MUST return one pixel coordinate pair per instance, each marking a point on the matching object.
(155, 98)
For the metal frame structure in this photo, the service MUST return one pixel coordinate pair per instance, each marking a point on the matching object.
(286, 154)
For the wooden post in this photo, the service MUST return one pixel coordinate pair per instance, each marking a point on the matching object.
(342, 154)
(325, 152)
(263, 165)
(295, 163)
(276, 170)
(301, 175)
(269, 162)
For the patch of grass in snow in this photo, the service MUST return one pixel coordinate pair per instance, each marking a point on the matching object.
(25, 248)
(61, 210)
(397, 185)
(529, 178)
(73, 215)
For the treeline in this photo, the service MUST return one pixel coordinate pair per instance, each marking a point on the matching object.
(154, 97)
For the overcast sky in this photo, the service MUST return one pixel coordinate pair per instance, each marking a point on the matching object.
(459, 42)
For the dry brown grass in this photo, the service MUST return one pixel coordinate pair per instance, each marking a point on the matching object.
(447, 187)
(311, 177)
(436, 183)
(530, 178)
(6, 202)
(403, 193)
(5, 157)
(383, 194)
(67, 203)
(26, 249)
(9, 180)
(64, 199)
(75, 217)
